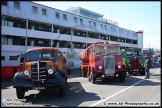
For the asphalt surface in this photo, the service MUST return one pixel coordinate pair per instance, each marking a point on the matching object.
(135, 91)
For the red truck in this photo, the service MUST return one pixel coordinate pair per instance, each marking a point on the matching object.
(101, 61)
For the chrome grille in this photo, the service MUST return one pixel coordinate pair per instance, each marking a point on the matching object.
(39, 72)
(109, 64)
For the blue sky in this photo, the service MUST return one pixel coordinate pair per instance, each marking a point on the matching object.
(130, 15)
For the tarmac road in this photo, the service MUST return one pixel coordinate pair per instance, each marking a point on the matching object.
(135, 91)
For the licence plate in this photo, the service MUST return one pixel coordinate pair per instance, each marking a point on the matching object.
(38, 88)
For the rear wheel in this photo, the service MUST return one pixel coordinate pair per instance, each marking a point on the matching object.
(20, 93)
(122, 76)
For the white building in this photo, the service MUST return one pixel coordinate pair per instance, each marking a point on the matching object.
(44, 26)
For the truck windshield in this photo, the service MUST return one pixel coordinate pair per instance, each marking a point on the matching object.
(129, 53)
(45, 55)
(114, 49)
(137, 53)
(100, 50)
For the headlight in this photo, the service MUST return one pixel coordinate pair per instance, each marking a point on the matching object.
(119, 66)
(26, 72)
(50, 71)
(99, 67)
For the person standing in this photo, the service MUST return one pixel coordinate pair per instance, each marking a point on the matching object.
(147, 67)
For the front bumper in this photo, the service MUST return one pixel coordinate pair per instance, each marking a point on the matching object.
(20, 80)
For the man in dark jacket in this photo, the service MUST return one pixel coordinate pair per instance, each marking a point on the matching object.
(147, 67)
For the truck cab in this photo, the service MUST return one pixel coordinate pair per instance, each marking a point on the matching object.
(133, 60)
(43, 68)
(101, 61)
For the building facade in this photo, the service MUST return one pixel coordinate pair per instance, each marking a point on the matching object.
(27, 24)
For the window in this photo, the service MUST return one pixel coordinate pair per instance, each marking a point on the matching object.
(2, 40)
(57, 15)
(111, 28)
(2, 57)
(101, 26)
(43, 11)
(35, 9)
(105, 27)
(4, 3)
(94, 24)
(122, 32)
(81, 21)
(9, 41)
(107, 37)
(114, 29)
(32, 43)
(13, 58)
(119, 31)
(32, 27)
(40, 42)
(126, 33)
(16, 4)
(75, 20)
(90, 23)
(64, 17)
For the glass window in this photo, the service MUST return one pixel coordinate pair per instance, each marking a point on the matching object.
(114, 29)
(94, 24)
(16, 4)
(90, 23)
(64, 17)
(9, 41)
(114, 49)
(2, 40)
(2, 57)
(32, 43)
(43, 11)
(101, 26)
(40, 42)
(129, 53)
(100, 50)
(4, 3)
(57, 15)
(13, 58)
(137, 53)
(35, 9)
(105, 27)
(81, 21)
(32, 27)
(10, 23)
(75, 20)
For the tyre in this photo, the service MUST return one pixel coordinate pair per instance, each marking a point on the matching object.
(20, 93)
(122, 76)
(62, 90)
(143, 71)
(93, 78)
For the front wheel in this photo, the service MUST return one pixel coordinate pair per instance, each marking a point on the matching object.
(20, 93)
(143, 71)
(122, 76)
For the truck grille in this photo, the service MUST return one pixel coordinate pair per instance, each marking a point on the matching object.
(109, 64)
(135, 63)
(39, 73)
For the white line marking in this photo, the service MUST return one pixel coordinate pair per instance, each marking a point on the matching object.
(120, 91)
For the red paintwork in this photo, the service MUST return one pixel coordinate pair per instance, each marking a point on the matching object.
(135, 63)
(93, 62)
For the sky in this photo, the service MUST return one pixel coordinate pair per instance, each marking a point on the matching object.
(129, 15)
